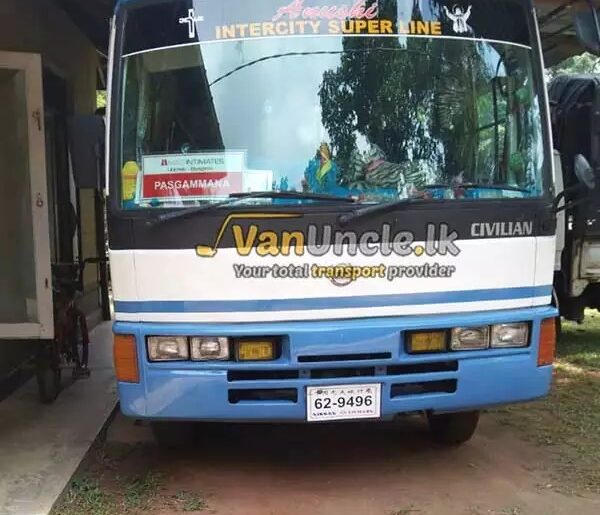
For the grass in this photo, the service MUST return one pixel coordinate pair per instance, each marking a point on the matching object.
(580, 345)
(140, 492)
(568, 421)
(98, 495)
(85, 496)
(189, 501)
(405, 511)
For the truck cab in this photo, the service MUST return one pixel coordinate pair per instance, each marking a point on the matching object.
(574, 100)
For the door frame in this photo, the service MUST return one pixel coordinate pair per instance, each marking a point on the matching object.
(31, 66)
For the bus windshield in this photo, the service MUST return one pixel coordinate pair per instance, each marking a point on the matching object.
(375, 100)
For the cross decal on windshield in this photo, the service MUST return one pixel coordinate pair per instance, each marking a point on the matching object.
(191, 20)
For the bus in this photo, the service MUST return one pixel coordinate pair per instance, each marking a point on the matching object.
(329, 211)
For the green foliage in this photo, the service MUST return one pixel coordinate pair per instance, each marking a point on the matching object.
(189, 501)
(100, 99)
(580, 344)
(140, 492)
(443, 104)
(378, 91)
(86, 496)
(584, 63)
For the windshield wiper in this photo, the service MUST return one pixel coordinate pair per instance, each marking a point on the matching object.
(293, 195)
(379, 209)
(238, 197)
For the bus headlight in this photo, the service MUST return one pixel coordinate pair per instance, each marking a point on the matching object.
(510, 335)
(210, 348)
(168, 348)
(470, 338)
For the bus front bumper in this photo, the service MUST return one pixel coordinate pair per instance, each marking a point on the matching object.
(276, 391)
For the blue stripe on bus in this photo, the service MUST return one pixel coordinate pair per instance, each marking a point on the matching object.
(367, 301)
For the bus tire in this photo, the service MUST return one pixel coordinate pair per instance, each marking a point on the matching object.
(172, 435)
(453, 428)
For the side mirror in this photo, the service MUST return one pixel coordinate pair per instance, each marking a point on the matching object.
(587, 27)
(86, 145)
(584, 172)
(587, 182)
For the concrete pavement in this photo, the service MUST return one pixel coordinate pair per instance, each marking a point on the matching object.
(42, 446)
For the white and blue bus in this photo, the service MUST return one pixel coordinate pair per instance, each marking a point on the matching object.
(329, 210)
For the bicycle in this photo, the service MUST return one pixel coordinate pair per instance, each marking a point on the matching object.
(70, 346)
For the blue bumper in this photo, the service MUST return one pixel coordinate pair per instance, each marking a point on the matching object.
(335, 353)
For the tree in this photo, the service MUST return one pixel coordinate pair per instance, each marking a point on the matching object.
(583, 63)
(100, 98)
(414, 100)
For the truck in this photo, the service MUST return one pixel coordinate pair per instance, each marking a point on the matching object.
(327, 211)
(574, 102)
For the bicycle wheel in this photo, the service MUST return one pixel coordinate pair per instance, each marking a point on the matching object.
(79, 353)
(48, 372)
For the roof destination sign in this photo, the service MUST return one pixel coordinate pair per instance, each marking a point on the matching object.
(176, 23)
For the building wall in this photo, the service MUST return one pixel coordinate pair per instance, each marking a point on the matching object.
(40, 26)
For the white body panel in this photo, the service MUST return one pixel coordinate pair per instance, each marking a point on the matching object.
(491, 265)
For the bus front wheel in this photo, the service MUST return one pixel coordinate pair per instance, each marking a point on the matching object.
(453, 428)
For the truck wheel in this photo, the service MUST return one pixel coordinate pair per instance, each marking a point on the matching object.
(453, 428)
(171, 435)
(558, 319)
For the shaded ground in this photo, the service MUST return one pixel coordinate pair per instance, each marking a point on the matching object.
(541, 458)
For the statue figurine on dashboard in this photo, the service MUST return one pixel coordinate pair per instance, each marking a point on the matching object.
(367, 176)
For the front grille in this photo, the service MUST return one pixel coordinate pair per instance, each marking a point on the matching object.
(423, 368)
(290, 395)
(424, 387)
(335, 373)
(342, 372)
(261, 375)
(345, 357)
(263, 395)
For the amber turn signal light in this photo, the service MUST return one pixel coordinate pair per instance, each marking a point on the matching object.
(126, 359)
(255, 350)
(425, 342)
(547, 348)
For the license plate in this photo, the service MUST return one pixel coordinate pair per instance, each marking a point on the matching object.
(348, 402)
